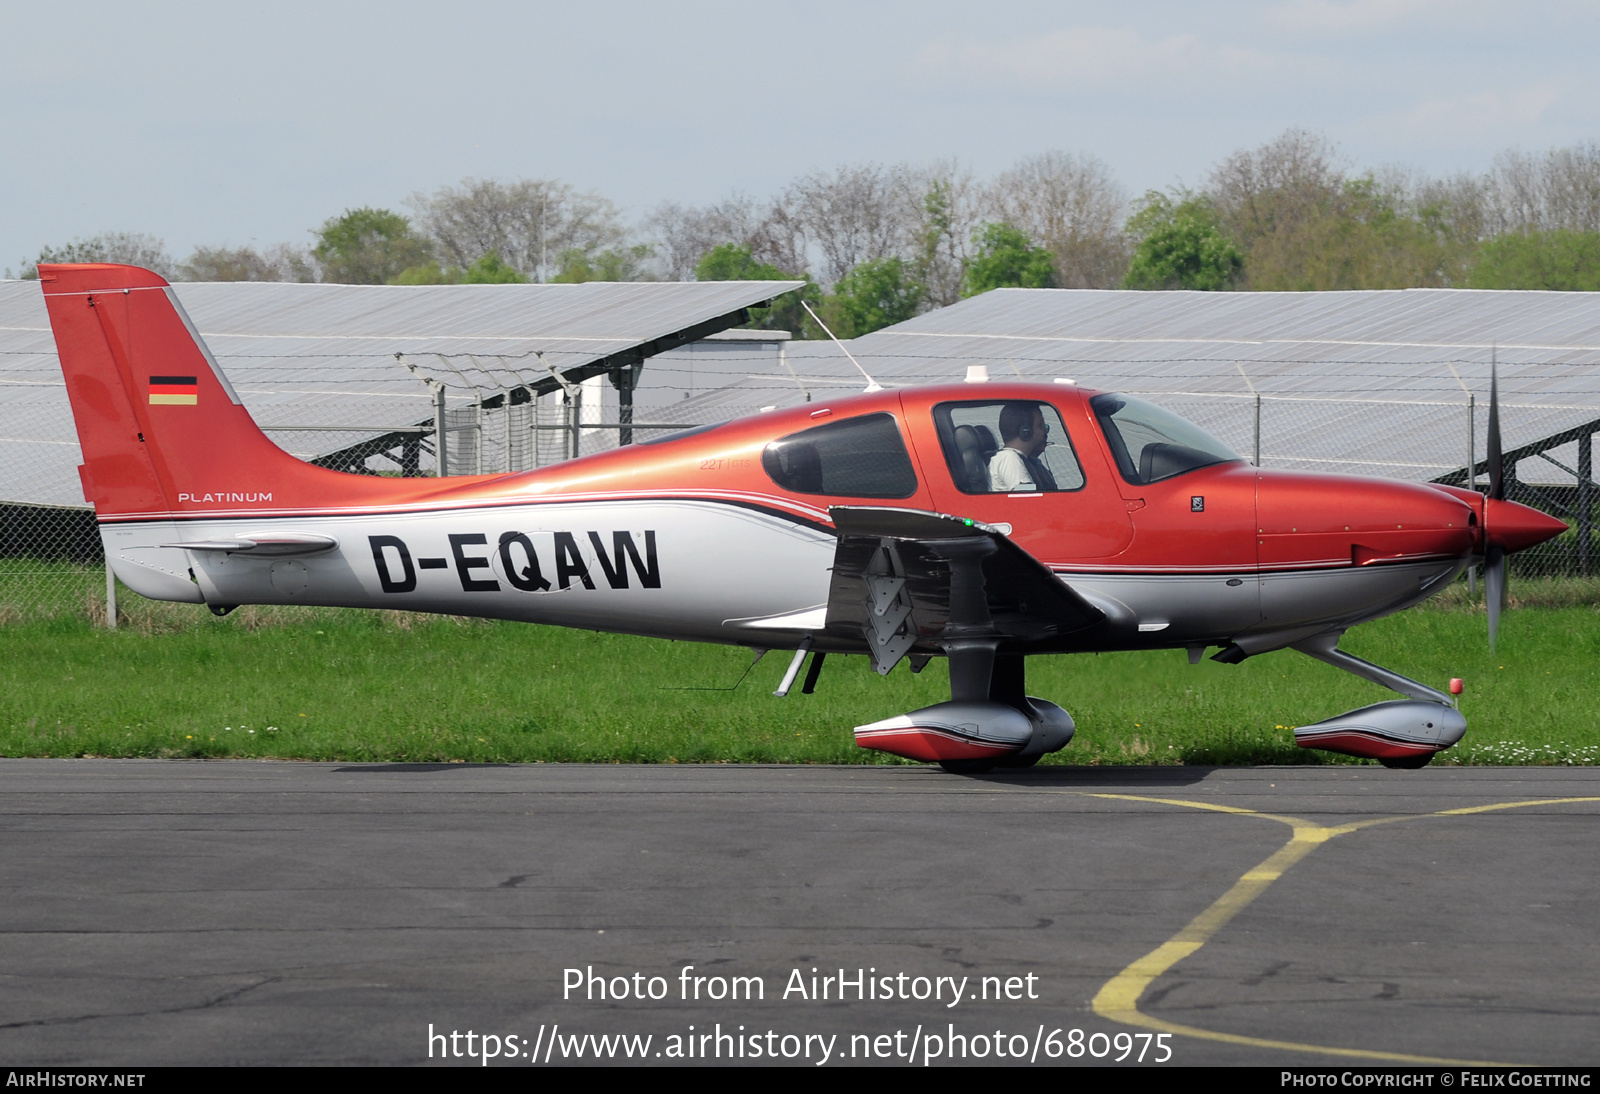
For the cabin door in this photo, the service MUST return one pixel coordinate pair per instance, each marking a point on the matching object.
(1018, 465)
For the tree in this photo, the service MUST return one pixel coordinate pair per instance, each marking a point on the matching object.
(1007, 258)
(1180, 246)
(1556, 190)
(489, 270)
(1304, 224)
(951, 211)
(529, 223)
(1268, 201)
(683, 236)
(1453, 213)
(855, 215)
(611, 264)
(127, 248)
(1071, 205)
(735, 262)
(279, 263)
(368, 247)
(1572, 188)
(1560, 259)
(429, 273)
(225, 264)
(1259, 192)
(874, 295)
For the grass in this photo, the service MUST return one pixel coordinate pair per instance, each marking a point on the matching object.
(31, 590)
(346, 685)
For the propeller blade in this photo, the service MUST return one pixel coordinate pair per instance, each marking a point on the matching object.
(1494, 556)
(1494, 588)
(1496, 459)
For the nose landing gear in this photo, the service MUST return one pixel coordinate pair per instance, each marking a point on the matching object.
(1403, 733)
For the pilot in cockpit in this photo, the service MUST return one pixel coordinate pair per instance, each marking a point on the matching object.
(1016, 467)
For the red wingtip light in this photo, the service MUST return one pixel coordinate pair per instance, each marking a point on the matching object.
(1455, 685)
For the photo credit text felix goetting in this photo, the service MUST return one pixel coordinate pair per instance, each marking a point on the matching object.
(762, 1018)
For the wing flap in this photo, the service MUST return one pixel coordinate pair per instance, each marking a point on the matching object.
(897, 584)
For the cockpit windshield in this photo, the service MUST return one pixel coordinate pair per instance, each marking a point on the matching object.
(1151, 444)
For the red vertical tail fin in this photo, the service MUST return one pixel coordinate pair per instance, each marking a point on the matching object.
(163, 432)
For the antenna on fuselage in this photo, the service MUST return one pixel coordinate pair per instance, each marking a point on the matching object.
(872, 385)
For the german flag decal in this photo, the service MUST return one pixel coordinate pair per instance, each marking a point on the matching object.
(173, 391)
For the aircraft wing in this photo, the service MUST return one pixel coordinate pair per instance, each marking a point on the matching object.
(906, 580)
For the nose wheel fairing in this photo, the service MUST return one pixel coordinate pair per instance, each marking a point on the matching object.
(1393, 733)
(1399, 733)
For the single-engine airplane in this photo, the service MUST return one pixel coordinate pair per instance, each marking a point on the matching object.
(978, 522)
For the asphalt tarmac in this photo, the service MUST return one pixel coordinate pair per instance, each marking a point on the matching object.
(160, 912)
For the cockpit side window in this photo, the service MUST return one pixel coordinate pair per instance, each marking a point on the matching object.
(861, 457)
(1151, 444)
(1007, 447)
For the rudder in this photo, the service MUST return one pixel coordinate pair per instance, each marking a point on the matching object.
(163, 433)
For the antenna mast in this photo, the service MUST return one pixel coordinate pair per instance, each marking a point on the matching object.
(872, 385)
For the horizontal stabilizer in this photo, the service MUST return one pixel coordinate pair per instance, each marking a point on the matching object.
(274, 544)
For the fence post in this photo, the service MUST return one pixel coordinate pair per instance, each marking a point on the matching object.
(1472, 442)
(625, 379)
(625, 413)
(477, 437)
(440, 429)
(1585, 500)
(111, 597)
(574, 417)
(536, 455)
(505, 408)
(1258, 431)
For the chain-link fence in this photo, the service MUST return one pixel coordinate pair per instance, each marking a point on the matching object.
(51, 562)
(487, 440)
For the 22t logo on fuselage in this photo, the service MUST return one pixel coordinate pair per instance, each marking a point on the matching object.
(518, 560)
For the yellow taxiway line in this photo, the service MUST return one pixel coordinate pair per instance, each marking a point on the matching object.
(1118, 1000)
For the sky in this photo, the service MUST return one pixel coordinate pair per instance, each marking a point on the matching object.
(215, 124)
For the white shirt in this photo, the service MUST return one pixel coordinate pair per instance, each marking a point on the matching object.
(1008, 472)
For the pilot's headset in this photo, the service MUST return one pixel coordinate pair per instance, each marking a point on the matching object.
(1022, 415)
